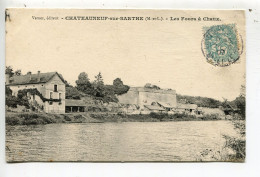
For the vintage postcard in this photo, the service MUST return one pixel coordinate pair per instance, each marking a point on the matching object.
(125, 85)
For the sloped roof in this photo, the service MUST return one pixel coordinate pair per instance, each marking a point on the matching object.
(71, 102)
(33, 78)
(166, 105)
(151, 107)
(187, 106)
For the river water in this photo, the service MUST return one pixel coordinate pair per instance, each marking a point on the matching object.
(127, 141)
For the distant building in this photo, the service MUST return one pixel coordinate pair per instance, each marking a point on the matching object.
(74, 105)
(187, 108)
(143, 97)
(50, 85)
(153, 108)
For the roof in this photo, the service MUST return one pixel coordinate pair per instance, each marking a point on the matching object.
(143, 89)
(166, 105)
(187, 106)
(33, 78)
(151, 107)
(70, 102)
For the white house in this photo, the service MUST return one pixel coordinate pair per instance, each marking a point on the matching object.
(51, 87)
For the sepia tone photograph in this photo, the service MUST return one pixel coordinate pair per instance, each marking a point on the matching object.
(125, 85)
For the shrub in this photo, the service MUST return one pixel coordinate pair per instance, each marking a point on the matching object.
(67, 118)
(12, 120)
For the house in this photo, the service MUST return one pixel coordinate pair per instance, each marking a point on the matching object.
(186, 108)
(46, 91)
(130, 109)
(152, 108)
(166, 106)
(74, 105)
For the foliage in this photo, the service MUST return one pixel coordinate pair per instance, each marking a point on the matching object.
(200, 101)
(8, 91)
(72, 93)
(11, 101)
(119, 87)
(98, 86)
(9, 70)
(22, 95)
(240, 103)
(83, 84)
(149, 85)
(97, 89)
(18, 72)
(239, 147)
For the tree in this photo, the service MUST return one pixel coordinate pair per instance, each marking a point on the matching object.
(117, 82)
(18, 72)
(83, 83)
(9, 70)
(98, 85)
(99, 79)
(119, 87)
(72, 93)
(149, 85)
(8, 91)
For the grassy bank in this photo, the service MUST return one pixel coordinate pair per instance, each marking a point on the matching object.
(97, 117)
(42, 118)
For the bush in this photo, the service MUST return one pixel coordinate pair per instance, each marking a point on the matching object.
(67, 118)
(27, 116)
(12, 120)
(239, 147)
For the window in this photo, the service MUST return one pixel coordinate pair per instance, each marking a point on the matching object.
(51, 95)
(55, 88)
(60, 96)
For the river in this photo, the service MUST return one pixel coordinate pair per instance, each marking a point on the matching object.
(127, 141)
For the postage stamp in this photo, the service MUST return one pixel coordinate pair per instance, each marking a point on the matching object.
(222, 45)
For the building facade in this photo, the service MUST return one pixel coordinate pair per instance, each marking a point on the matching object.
(142, 97)
(51, 87)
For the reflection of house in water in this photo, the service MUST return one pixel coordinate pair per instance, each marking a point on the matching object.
(74, 105)
(149, 99)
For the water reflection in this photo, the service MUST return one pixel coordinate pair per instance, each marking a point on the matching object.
(130, 141)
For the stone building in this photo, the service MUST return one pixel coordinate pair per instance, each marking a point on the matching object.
(142, 97)
(50, 96)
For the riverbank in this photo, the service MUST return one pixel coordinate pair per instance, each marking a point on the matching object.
(96, 117)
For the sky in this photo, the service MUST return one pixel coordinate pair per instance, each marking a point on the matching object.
(164, 53)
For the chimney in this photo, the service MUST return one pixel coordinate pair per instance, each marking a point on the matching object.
(38, 76)
(30, 75)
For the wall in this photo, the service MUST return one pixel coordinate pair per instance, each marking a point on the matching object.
(55, 107)
(131, 97)
(15, 88)
(146, 98)
(143, 96)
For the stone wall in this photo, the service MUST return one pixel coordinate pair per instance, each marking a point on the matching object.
(143, 96)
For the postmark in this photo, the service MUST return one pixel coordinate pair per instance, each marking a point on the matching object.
(222, 45)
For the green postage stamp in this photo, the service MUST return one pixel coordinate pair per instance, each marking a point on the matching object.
(222, 45)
